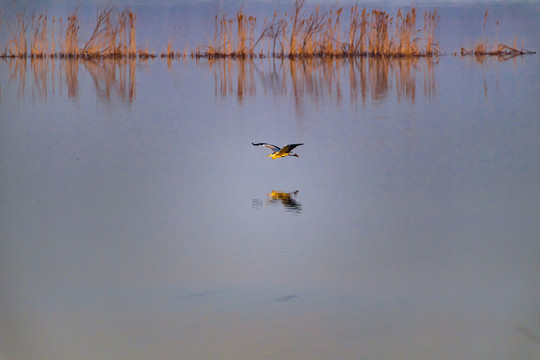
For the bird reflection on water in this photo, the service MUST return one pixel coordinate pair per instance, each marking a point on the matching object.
(287, 199)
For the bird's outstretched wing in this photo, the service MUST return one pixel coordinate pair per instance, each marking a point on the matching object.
(288, 148)
(270, 146)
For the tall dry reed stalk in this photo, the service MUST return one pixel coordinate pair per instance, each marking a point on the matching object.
(481, 45)
(296, 27)
(125, 31)
(331, 40)
(132, 18)
(311, 30)
(17, 43)
(430, 23)
(103, 37)
(71, 35)
(4, 52)
(241, 31)
(357, 33)
(274, 32)
(406, 40)
(52, 53)
(378, 37)
(39, 46)
(305, 32)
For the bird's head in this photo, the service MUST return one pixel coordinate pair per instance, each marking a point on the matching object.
(292, 154)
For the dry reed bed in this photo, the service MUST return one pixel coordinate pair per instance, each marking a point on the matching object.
(319, 34)
(483, 48)
(113, 35)
(301, 34)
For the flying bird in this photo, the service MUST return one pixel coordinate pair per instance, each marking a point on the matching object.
(279, 152)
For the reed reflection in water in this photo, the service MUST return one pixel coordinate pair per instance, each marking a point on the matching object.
(117, 75)
(322, 79)
(49, 77)
(315, 80)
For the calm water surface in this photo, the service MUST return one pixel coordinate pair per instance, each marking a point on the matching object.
(137, 221)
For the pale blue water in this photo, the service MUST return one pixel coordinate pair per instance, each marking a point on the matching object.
(136, 218)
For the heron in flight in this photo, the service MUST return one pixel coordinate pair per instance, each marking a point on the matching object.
(279, 152)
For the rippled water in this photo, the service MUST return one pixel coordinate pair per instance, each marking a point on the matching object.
(137, 220)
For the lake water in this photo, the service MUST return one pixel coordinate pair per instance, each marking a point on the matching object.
(137, 221)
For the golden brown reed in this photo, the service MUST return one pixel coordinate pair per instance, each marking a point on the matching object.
(301, 34)
(319, 33)
(17, 45)
(231, 40)
(483, 48)
(71, 39)
(39, 46)
(112, 35)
